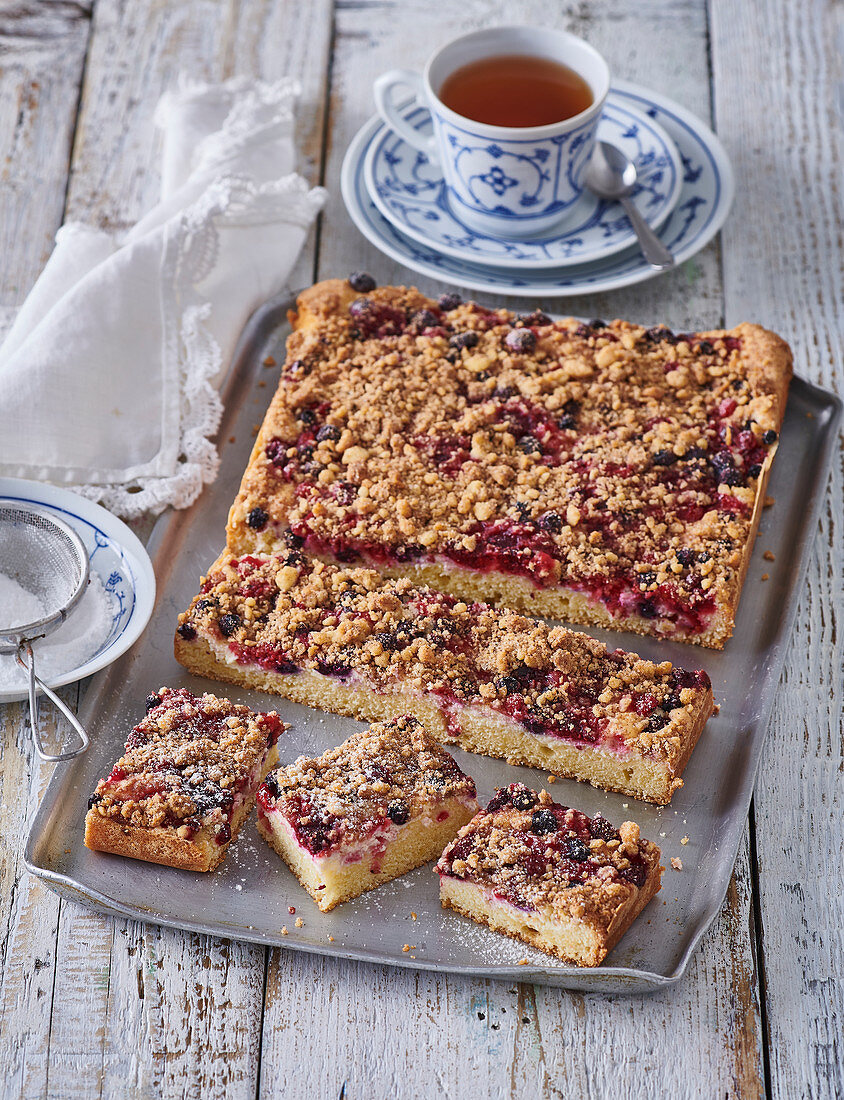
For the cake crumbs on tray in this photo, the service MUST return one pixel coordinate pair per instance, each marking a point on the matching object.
(552, 779)
(406, 948)
(676, 863)
(300, 923)
(769, 556)
(765, 577)
(284, 930)
(269, 361)
(522, 962)
(413, 916)
(684, 840)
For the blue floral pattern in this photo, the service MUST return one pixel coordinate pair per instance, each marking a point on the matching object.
(705, 199)
(497, 180)
(412, 194)
(516, 179)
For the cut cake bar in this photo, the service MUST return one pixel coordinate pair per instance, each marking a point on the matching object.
(351, 641)
(385, 801)
(185, 783)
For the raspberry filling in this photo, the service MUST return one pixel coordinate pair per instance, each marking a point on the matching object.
(321, 832)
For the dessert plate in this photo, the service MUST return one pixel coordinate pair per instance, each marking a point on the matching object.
(411, 193)
(114, 552)
(248, 897)
(706, 195)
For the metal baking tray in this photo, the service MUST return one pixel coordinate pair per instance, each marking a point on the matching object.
(248, 898)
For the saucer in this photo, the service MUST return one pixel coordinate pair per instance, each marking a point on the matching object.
(705, 198)
(114, 553)
(409, 191)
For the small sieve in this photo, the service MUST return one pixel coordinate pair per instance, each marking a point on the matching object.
(46, 557)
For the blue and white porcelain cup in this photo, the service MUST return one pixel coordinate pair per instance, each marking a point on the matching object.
(504, 181)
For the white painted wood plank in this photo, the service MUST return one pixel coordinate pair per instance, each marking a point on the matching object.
(29, 912)
(784, 266)
(389, 1032)
(43, 51)
(184, 1016)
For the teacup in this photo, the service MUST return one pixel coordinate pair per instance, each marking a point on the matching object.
(503, 181)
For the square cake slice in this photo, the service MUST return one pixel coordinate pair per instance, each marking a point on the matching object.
(186, 781)
(385, 801)
(610, 474)
(549, 875)
(352, 641)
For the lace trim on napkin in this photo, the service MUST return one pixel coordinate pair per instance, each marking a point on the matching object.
(192, 256)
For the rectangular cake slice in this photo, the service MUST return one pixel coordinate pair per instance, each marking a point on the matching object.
(549, 875)
(352, 641)
(385, 801)
(609, 474)
(185, 783)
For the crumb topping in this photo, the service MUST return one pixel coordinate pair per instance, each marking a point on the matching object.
(619, 460)
(389, 773)
(536, 854)
(186, 762)
(289, 611)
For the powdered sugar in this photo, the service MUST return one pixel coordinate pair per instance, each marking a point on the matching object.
(76, 641)
(18, 606)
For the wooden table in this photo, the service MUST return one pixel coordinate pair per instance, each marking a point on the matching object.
(92, 1006)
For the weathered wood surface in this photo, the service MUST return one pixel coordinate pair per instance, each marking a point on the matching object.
(787, 270)
(91, 1006)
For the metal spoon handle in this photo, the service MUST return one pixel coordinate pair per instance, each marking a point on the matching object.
(34, 681)
(653, 249)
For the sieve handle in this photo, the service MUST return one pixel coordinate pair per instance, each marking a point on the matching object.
(33, 713)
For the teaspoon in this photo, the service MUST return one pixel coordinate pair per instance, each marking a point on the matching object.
(612, 175)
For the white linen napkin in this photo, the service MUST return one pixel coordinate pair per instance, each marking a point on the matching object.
(109, 374)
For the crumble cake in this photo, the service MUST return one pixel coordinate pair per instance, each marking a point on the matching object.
(598, 473)
(185, 783)
(385, 801)
(549, 875)
(349, 640)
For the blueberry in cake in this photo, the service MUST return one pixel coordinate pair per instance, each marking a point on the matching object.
(349, 640)
(598, 473)
(185, 783)
(385, 801)
(549, 875)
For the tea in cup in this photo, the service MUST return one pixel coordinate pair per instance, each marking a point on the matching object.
(514, 113)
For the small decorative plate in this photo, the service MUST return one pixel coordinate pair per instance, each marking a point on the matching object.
(705, 199)
(114, 552)
(411, 193)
